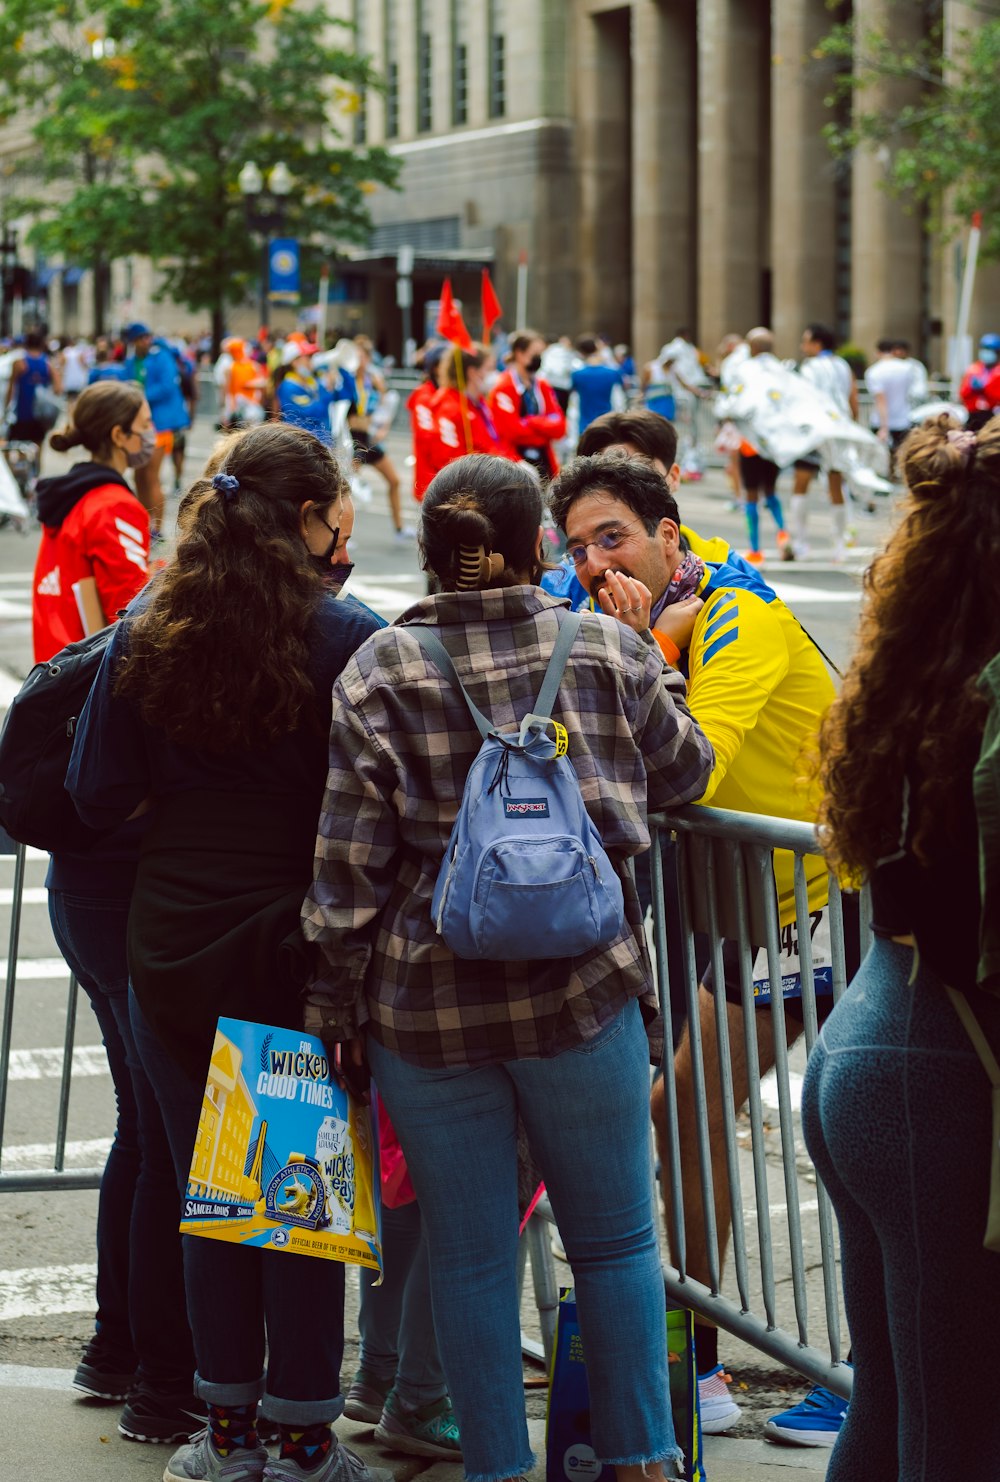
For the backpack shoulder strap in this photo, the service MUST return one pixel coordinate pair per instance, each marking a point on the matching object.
(568, 629)
(439, 655)
(542, 712)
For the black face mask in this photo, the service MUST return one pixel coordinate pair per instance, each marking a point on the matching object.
(332, 577)
(534, 365)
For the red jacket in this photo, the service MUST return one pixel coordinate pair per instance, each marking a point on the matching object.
(104, 535)
(540, 430)
(450, 413)
(424, 435)
(980, 389)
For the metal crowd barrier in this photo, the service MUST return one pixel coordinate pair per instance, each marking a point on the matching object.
(726, 892)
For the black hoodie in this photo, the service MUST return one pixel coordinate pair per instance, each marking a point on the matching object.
(56, 497)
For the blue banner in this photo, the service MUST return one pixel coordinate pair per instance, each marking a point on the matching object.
(283, 262)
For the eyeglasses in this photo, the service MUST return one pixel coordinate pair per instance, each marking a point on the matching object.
(608, 540)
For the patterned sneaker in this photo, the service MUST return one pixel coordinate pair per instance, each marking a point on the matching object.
(718, 1410)
(814, 1421)
(430, 1431)
(366, 1397)
(340, 1465)
(161, 1415)
(102, 1373)
(200, 1462)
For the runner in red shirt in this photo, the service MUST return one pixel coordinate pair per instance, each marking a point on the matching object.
(422, 421)
(94, 555)
(525, 407)
(464, 417)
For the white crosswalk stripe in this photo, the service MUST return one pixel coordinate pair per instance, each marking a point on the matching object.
(25, 1156)
(47, 1063)
(39, 1291)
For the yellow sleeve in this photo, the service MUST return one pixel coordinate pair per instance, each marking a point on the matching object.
(738, 655)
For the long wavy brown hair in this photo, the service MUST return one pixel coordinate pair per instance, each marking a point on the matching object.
(217, 656)
(930, 622)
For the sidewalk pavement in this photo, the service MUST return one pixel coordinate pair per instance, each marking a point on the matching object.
(49, 1435)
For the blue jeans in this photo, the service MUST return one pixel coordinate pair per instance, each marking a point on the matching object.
(140, 1279)
(236, 1292)
(586, 1113)
(396, 1322)
(896, 1115)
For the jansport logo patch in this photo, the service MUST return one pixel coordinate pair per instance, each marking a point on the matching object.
(525, 807)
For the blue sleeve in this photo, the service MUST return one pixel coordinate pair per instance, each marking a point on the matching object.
(108, 774)
(296, 403)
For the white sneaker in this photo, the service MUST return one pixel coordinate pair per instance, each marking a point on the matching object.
(719, 1412)
(407, 533)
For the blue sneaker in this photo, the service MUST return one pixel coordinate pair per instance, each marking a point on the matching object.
(814, 1421)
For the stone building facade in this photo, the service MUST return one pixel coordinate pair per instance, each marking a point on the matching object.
(650, 164)
(659, 163)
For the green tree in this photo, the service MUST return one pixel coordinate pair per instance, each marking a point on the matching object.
(173, 97)
(929, 107)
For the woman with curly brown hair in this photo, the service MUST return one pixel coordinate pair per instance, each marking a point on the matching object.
(211, 712)
(896, 1105)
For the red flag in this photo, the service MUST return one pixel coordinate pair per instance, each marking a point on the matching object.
(492, 310)
(450, 324)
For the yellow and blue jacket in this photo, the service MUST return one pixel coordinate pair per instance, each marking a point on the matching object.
(758, 688)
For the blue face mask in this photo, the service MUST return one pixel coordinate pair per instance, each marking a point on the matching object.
(988, 357)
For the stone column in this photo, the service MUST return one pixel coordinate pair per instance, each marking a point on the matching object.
(664, 172)
(604, 250)
(887, 244)
(803, 198)
(734, 166)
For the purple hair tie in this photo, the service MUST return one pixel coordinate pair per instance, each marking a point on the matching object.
(227, 485)
(964, 441)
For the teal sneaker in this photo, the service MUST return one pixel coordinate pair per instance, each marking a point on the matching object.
(430, 1431)
(366, 1397)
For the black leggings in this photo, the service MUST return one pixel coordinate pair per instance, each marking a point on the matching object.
(896, 1115)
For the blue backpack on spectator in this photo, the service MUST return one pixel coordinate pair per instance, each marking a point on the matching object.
(525, 875)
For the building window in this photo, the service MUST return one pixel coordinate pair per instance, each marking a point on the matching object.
(360, 12)
(425, 81)
(497, 60)
(459, 62)
(391, 70)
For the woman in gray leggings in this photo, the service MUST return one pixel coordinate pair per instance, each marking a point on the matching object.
(896, 1105)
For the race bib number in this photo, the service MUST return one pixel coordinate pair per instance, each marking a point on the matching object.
(789, 965)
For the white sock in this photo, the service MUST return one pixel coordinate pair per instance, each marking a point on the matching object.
(838, 515)
(797, 516)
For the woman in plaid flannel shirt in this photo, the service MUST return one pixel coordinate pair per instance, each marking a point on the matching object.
(462, 1050)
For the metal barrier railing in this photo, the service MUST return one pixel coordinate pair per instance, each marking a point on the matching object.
(726, 891)
(58, 1176)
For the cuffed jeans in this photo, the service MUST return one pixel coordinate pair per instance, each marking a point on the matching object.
(586, 1113)
(396, 1321)
(236, 1292)
(897, 1118)
(140, 1278)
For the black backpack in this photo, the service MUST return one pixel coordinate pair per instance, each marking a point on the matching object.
(35, 746)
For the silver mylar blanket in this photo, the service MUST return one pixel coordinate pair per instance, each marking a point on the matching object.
(785, 417)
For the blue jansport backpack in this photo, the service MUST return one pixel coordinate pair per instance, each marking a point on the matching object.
(526, 875)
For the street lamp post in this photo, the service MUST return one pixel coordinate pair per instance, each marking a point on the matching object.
(8, 269)
(266, 204)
